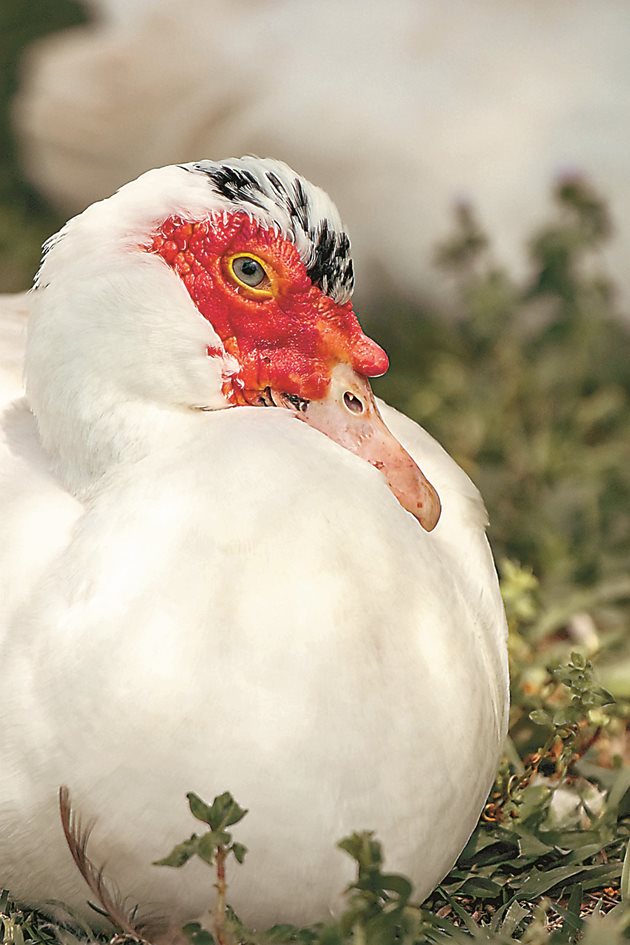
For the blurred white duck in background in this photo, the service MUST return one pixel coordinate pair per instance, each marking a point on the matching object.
(202, 594)
(487, 101)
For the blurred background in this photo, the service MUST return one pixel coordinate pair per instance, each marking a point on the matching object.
(480, 156)
(398, 110)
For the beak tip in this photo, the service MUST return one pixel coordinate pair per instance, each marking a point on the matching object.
(429, 512)
(430, 521)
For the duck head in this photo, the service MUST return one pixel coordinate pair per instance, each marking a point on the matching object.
(209, 286)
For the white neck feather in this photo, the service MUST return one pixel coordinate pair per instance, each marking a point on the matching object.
(114, 353)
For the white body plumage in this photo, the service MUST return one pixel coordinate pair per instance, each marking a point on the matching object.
(223, 600)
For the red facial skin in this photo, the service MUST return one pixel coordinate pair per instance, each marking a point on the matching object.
(289, 341)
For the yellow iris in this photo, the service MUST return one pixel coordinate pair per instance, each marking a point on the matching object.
(251, 273)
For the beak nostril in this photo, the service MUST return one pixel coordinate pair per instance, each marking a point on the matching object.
(353, 404)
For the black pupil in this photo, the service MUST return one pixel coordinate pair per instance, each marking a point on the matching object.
(249, 271)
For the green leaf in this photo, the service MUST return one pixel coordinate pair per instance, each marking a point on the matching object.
(381, 929)
(484, 837)
(363, 848)
(209, 843)
(540, 717)
(605, 876)
(540, 881)
(533, 846)
(513, 918)
(578, 659)
(239, 850)
(480, 888)
(197, 935)
(226, 811)
(199, 808)
(573, 924)
(180, 854)
(459, 911)
(222, 813)
(535, 800)
(394, 882)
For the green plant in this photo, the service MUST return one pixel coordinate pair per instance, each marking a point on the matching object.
(214, 848)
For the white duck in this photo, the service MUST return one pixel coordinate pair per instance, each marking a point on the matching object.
(199, 598)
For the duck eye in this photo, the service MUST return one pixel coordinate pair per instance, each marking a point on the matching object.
(248, 271)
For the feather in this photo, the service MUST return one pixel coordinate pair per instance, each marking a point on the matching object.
(111, 903)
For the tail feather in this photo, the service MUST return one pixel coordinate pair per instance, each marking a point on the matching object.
(110, 901)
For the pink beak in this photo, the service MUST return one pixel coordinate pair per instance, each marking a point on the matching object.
(349, 416)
